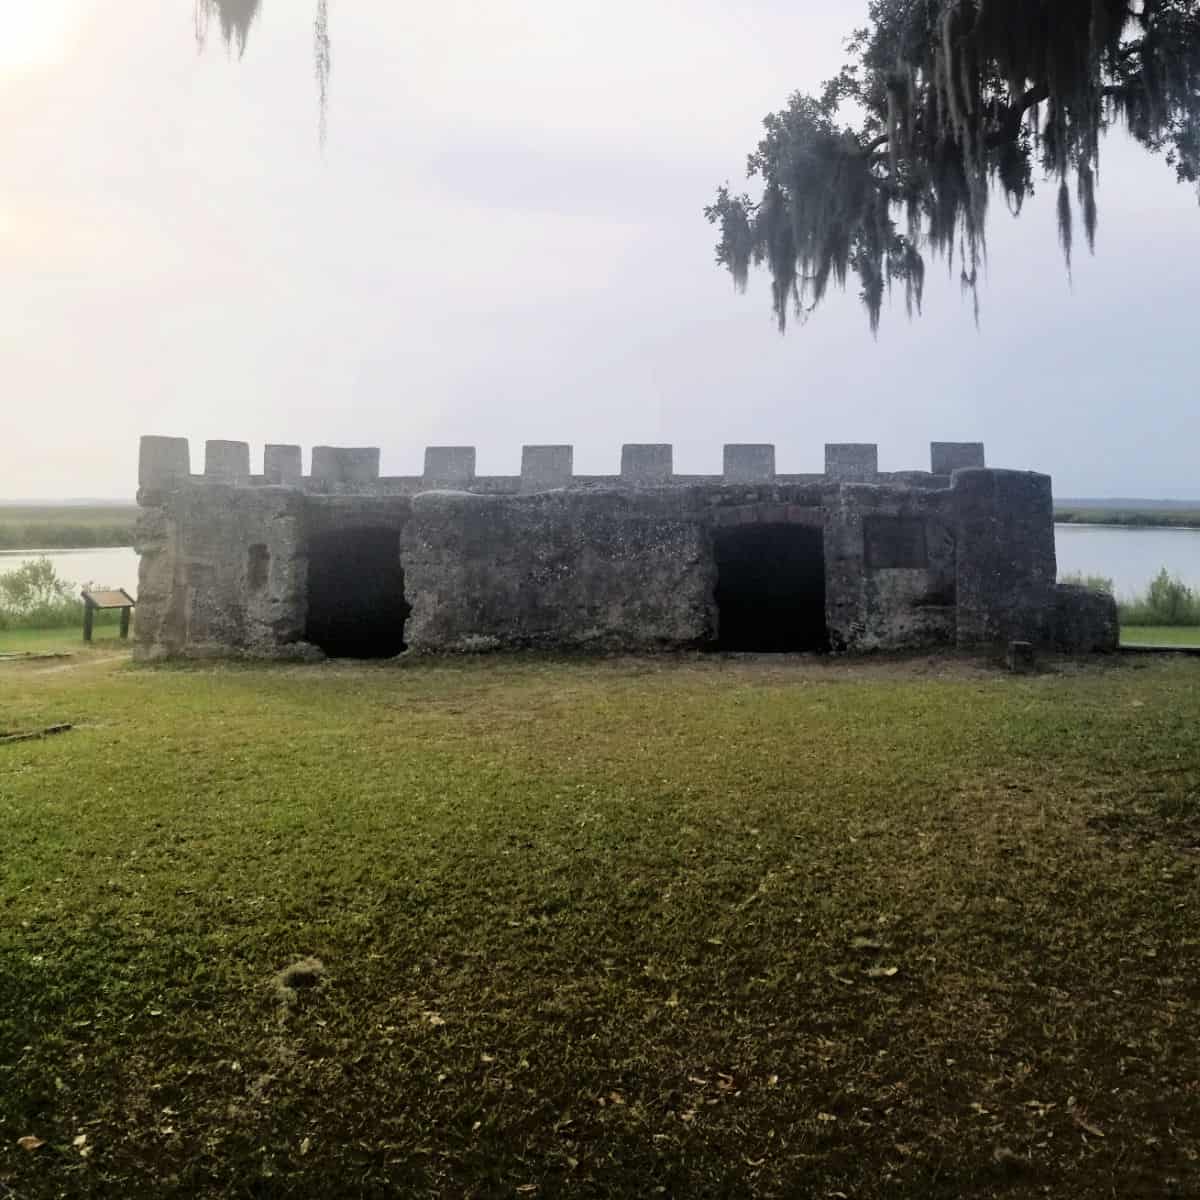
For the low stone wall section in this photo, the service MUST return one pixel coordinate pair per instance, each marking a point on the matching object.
(562, 569)
(1085, 621)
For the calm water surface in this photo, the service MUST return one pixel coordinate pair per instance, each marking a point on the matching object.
(1129, 557)
(114, 568)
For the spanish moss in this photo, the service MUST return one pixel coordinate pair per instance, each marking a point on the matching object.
(235, 17)
(960, 100)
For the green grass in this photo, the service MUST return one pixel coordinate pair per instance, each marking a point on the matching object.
(50, 527)
(1134, 518)
(680, 927)
(15, 641)
(1160, 635)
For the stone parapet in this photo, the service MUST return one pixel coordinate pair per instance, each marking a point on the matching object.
(165, 464)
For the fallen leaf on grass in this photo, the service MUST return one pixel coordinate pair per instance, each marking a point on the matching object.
(434, 1019)
(1084, 1124)
(881, 972)
(865, 943)
(826, 1117)
(29, 1142)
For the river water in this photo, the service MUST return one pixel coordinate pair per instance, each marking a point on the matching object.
(1129, 557)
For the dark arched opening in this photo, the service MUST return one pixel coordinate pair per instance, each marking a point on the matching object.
(356, 605)
(771, 588)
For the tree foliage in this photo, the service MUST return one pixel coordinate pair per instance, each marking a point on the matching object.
(235, 18)
(944, 103)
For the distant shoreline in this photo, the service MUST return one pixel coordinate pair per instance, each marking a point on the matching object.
(1138, 518)
(67, 526)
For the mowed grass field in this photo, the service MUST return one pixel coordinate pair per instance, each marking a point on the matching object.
(1160, 635)
(66, 526)
(680, 927)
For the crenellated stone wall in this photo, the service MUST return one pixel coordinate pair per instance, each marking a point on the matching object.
(344, 560)
(341, 470)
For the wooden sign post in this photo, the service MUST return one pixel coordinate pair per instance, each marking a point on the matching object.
(92, 601)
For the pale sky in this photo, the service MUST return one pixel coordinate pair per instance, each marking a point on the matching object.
(503, 242)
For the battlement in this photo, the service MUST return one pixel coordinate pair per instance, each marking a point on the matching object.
(165, 463)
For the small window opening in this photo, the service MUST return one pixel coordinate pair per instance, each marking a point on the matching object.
(258, 565)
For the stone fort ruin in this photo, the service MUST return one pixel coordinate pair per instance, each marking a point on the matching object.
(348, 563)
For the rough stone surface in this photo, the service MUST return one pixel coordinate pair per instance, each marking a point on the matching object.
(355, 466)
(227, 462)
(852, 461)
(1085, 621)
(282, 465)
(558, 569)
(546, 468)
(222, 571)
(948, 457)
(749, 464)
(646, 463)
(1006, 558)
(449, 466)
(268, 564)
(888, 607)
(164, 463)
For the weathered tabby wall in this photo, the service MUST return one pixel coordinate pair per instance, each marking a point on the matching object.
(223, 569)
(1006, 558)
(238, 563)
(1085, 622)
(557, 569)
(890, 567)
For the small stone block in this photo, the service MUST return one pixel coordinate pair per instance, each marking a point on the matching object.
(647, 463)
(1021, 657)
(546, 468)
(343, 464)
(281, 465)
(449, 466)
(227, 462)
(948, 457)
(360, 464)
(749, 464)
(163, 461)
(852, 461)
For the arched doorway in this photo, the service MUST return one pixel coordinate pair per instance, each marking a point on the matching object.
(771, 587)
(356, 605)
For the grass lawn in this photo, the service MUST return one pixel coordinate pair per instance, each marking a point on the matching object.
(679, 927)
(46, 527)
(1160, 635)
(106, 636)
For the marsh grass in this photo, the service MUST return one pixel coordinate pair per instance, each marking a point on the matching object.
(678, 927)
(60, 527)
(1136, 518)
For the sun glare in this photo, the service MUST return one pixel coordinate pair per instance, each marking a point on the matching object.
(36, 33)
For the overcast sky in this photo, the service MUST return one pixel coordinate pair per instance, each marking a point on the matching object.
(503, 242)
